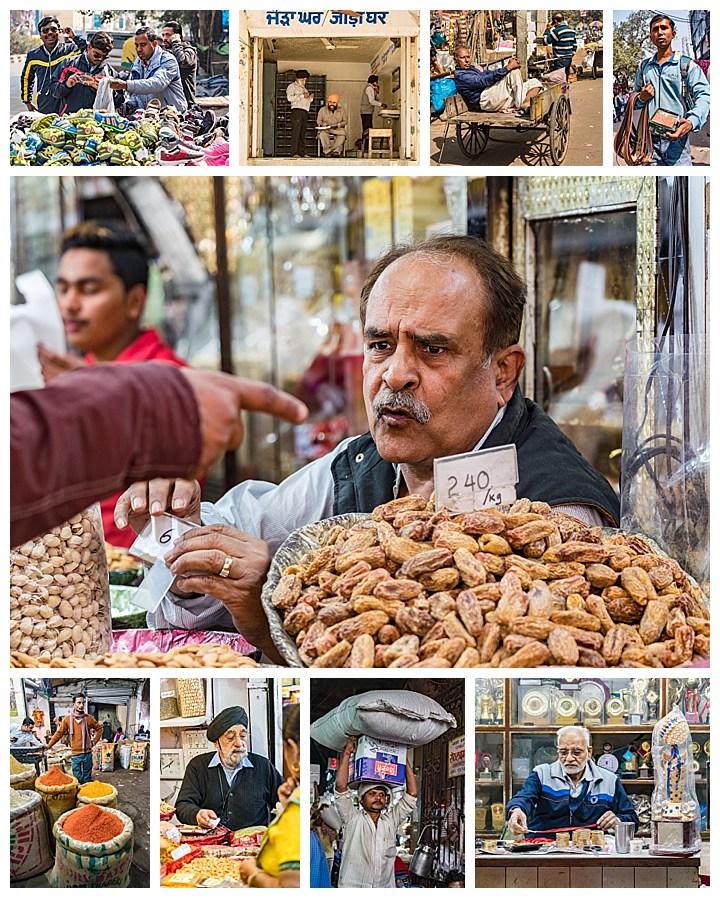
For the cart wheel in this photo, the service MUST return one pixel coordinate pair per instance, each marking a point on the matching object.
(472, 138)
(559, 129)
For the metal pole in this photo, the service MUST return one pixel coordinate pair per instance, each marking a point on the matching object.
(222, 292)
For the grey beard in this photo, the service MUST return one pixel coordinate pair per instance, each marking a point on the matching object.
(403, 399)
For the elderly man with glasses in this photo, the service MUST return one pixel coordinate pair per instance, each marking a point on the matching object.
(230, 786)
(571, 792)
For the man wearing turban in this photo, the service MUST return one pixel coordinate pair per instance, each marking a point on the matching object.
(231, 785)
(332, 127)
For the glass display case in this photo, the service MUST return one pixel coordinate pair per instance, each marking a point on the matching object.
(620, 713)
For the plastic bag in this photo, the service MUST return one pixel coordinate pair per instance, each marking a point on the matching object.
(394, 715)
(675, 808)
(104, 100)
(666, 452)
(440, 88)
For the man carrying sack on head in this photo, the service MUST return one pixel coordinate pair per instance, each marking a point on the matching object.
(78, 725)
(231, 785)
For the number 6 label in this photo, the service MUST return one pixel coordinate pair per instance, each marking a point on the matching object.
(476, 480)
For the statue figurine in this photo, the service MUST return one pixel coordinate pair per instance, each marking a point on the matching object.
(691, 702)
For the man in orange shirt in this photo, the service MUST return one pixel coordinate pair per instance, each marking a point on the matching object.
(79, 725)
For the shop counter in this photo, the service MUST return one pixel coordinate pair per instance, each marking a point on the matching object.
(532, 870)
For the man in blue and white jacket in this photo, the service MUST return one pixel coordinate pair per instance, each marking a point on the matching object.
(572, 791)
(155, 73)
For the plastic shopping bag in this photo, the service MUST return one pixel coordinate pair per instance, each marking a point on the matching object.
(104, 99)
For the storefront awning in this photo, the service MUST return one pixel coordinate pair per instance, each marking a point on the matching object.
(332, 23)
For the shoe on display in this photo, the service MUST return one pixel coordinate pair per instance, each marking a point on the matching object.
(177, 155)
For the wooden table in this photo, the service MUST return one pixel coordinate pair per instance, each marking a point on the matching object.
(570, 871)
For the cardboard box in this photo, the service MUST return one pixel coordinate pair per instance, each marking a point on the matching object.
(378, 761)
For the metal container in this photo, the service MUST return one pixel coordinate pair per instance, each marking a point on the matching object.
(423, 858)
(624, 831)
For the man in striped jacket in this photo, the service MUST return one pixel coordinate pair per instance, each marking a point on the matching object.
(563, 39)
(43, 62)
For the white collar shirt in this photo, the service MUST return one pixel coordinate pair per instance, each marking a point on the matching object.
(368, 858)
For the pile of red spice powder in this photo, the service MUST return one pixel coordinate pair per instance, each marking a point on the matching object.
(55, 777)
(92, 823)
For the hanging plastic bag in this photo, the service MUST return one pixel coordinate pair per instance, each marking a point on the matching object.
(105, 100)
(666, 451)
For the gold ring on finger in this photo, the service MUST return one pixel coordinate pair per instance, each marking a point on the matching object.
(225, 569)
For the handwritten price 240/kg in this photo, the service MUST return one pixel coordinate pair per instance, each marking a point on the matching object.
(474, 484)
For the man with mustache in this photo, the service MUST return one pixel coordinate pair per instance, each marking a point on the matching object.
(370, 829)
(84, 732)
(571, 792)
(231, 785)
(441, 322)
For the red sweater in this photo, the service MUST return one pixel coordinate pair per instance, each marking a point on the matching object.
(94, 432)
(147, 347)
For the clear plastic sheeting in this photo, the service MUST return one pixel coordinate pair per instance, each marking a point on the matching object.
(675, 808)
(666, 454)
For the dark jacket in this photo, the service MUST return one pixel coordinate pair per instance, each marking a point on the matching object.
(550, 467)
(471, 83)
(187, 59)
(81, 96)
(247, 802)
(39, 68)
(548, 805)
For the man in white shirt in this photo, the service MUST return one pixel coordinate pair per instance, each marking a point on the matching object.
(370, 830)
(440, 377)
(300, 101)
(370, 102)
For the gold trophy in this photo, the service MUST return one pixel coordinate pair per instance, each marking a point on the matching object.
(535, 707)
(497, 812)
(592, 712)
(615, 710)
(567, 711)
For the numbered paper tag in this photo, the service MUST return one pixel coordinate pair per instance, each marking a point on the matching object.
(475, 480)
(155, 541)
(158, 537)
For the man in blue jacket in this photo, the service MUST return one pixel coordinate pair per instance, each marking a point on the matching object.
(672, 82)
(76, 84)
(493, 90)
(572, 791)
(155, 73)
(44, 61)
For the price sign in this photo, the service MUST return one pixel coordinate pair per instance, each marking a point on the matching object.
(476, 480)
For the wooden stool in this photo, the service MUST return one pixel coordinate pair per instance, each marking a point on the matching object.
(381, 135)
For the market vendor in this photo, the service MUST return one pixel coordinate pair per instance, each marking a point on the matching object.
(427, 354)
(26, 738)
(493, 90)
(229, 786)
(155, 74)
(84, 732)
(371, 827)
(572, 791)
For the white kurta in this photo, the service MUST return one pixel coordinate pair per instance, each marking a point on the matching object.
(368, 858)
